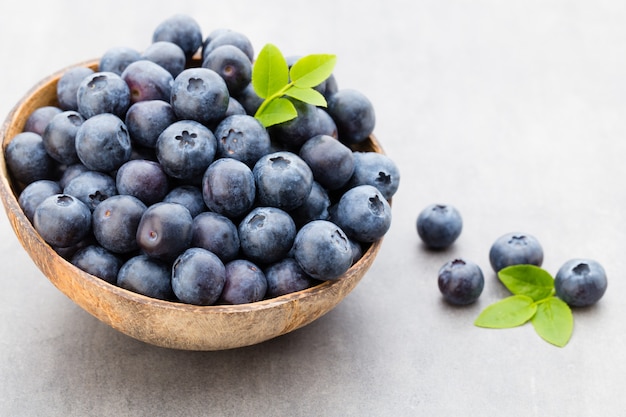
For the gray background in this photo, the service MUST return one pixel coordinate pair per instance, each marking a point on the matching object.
(513, 111)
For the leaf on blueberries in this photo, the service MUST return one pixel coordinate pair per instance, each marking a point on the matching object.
(277, 111)
(554, 321)
(307, 95)
(529, 280)
(270, 72)
(512, 311)
(312, 70)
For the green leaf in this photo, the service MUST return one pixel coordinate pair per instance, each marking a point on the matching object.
(270, 72)
(512, 311)
(528, 280)
(312, 70)
(307, 95)
(554, 321)
(277, 111)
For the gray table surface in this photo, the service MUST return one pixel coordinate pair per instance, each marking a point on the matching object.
(513, 111)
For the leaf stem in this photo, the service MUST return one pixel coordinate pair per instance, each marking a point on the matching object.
(273, 97)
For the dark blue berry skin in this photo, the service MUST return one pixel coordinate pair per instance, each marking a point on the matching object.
(461, 282)
(283, 180)
(28, 160)
(91, 187)
(142, 179)
(234, 108)
(216, 233)
(245, 283)
(181, 29)
(146, 276)
(354, 115)
(35, 193)
(67, 87)
(59, 137)
(200, 94)
(315, 207)
(115, 222)
(189, 196)
(103, 92)
(70, 172)
(266, 234)
(242, 137)
(147, 81)
(232, 64)
(168, 55)
(323, 250)
(146, 120)
(331, 162)
(62, 220)
(249, 99)
(39, 119)
(363, 214)
(165, 231)
(185, 149)
(580, 282)
(198, 277)
(439, 225)
(285, 277)
(103, 143)
(515, 249)
(228, 37)
(97, 261)
(117, 58)
(294, 133)
(228, 188)
(376, 169)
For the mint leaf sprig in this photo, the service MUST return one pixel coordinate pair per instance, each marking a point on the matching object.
(533, 300)
(274, 81)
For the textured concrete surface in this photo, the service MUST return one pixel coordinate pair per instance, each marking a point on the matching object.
(511, 111)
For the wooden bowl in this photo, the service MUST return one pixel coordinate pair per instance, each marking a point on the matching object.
(164, 323)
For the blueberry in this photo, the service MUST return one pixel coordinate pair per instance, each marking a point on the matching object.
(146, 120)
(62, 220)
(293, 133)
(189, 196)
(331, 162)
(27, 158)
(363, 213)
(580, 282)
(245, 283)
(286, 276)
(59, 137)
(91, 187)
(354, 115)
(234, 108)
(232, 64)
(143, 179)
(117, 58)
(378, 170)
(228, 188)
(103, 92)
(315, 207)
(249, 99)
(115, 222)
(198, 277)
(216, 233)
(323, 250)
(165, 231)
(70, 172)
(228, 37)
(97, 261)
(67, 87)
(168, 55)
(242, 137)
(103, 143)
(147, 81)
(35, 193)
(515, 249)
(185, 149)
(181, 29)
(200, 94)
(146, 276)
(460, 281)
(266, 234)
(439, 225)
(37, 121)
(283, 180)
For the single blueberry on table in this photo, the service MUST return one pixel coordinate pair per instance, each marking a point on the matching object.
(580, 282)
(103, 143)
(515, 249)
(363, 214)
(146, 276)
(146, 120)
(91, 187)
(165, 231)
(216, 233)
(198, 277)
(59, 137)
(115, 222)
(62, 220)
(200, 94)
(266, 234)
(97, 261)
(285, 277)
(460, 281)
(67, 87)
(35, 193)
(103, 92)
(28, 160)
(228, 188)
(439, 225)
(245, 283)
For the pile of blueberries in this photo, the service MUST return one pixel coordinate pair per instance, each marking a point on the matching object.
(153, 174)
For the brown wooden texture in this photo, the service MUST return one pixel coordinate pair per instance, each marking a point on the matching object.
(163, 323)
